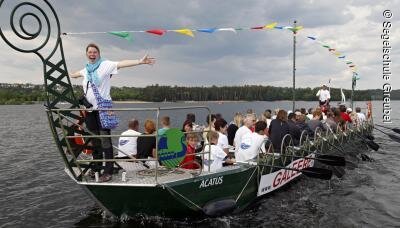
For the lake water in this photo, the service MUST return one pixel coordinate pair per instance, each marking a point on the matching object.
(35, 191)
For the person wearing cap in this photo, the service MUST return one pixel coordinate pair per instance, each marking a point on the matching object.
(345, 116)
(353, 116)
(324, 96)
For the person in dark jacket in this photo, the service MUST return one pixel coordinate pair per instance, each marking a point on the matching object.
(294, 130)
(278, 129)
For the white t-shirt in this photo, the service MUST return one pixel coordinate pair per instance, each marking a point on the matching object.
(323, 94)
(361, 117)
(268, 122)
(238, 136)
(249, 147)
(223, 141)
(104, 72)
(128, 144)
(216, 160)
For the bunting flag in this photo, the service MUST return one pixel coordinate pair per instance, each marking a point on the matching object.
(270, 26)
(227, 29)
(159, 32)
(295, 29)
(336, 53)
(125, 35)
(207, 30)
(190, 32)
(184, 31)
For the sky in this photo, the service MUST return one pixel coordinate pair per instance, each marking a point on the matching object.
(249, 57)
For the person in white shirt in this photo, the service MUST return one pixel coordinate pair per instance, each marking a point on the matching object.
(248, 123)
(221, 127)
(324, 95)
(127, 145)
(99, 72)
(214, 156)
(361, 117)
(251, 143)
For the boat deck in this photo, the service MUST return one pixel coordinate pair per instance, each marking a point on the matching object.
(136, 174)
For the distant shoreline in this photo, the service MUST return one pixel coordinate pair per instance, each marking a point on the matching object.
(184, 102)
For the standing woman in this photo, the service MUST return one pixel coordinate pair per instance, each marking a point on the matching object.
(99, 72)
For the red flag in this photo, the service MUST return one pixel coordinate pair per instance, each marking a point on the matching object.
(159, 32)
(332, 49)
(259, 27)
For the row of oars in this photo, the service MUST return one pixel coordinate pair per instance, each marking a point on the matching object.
(337, 162)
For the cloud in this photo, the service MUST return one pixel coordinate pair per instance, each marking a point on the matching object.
(222, 58)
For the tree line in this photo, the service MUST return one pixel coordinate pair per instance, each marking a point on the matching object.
(29, 93)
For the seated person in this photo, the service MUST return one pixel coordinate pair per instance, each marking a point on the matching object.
(221, 126)
(251, 142)
(315, 122)
(192, 140)
(146, 146)
(127, 146)
(214, 156)
(187, 126)
(165, 123)
(294, 130)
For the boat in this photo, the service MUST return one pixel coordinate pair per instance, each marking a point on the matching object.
(167, 189)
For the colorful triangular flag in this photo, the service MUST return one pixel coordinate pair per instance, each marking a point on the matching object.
(184, 31)
(270, 26)
(159, 32)
(227, 29)
(125, 35)
(207, 30)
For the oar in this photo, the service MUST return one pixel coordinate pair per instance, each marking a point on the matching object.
(397, 130)
(392, 136)
(371, 144)
(339, 149)
(370, 137)
(332, 160)
(312, 172)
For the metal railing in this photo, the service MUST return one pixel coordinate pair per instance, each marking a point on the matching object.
(61, 113)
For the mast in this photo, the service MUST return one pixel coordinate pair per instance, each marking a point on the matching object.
(294, 65)
(353, 86)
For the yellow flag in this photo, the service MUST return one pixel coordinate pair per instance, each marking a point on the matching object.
(337, 53)
(270, 26)
(297, 28)
(185, 31)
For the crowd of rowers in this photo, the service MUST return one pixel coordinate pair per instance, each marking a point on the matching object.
(244, 135)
